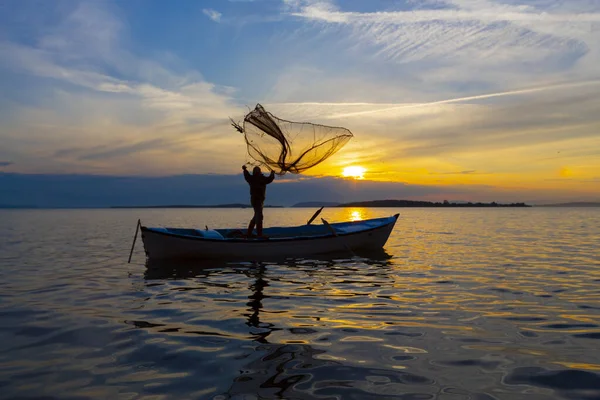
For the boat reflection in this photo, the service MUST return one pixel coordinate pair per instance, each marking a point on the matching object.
(181, 269)
(282, 370)
(259, 331)
(268, 376)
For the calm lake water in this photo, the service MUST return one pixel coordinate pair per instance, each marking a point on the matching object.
(464, 304)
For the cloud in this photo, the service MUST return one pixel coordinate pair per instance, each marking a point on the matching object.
(199, 95)
(458, 16)
(212, 14)
(115, 108)
(103, 191)
(106, 152)
(5, 163)
(458, 43)
(456, 173)
(573, 180)
(572, 85)
(526, 118)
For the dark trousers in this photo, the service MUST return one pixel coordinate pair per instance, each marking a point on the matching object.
(257, 205)
(257, 219)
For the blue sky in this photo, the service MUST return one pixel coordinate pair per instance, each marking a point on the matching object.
(437, 92)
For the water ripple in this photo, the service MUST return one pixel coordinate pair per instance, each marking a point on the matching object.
(463, 304)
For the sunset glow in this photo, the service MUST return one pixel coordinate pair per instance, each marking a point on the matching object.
(354, 172)
(428, 116)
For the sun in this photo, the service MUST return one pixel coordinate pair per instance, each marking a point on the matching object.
(354, 172)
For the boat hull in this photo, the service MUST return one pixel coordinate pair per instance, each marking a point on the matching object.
(163, 245)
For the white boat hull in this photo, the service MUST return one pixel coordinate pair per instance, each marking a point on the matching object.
(160, 243)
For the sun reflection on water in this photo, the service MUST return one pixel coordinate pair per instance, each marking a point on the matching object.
(356, 214)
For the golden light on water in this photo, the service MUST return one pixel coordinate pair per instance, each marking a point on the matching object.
(356, 215)
(355, 172)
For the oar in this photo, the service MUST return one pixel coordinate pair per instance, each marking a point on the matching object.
(134, 238)
(331, 228)
(334, 233)
(315, 215)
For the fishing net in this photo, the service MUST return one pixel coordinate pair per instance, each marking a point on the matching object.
(284, 146)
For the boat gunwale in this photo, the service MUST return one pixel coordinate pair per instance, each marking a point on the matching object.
(270, 240)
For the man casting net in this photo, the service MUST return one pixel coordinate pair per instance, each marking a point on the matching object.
(285, 146)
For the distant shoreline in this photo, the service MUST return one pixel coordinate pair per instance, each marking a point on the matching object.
(577, 204)
(198, 206)
(365, 204)
(425, 204)
(316, 204)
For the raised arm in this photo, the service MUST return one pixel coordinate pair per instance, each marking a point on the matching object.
(247, 176)
(270, 177)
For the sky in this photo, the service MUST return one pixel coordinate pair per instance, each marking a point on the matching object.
(483, 100)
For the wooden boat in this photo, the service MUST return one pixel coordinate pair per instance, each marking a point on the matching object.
(299, 241)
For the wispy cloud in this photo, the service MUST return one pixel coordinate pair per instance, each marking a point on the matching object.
(107, 152)
(461, 26)
(108, 102)
(592, 180)
(461, 40)
(572, 85)
(471, 172)
(94, 190)
(212, 14)
(5, 163)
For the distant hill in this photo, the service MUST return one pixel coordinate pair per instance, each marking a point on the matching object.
(413, 203)
(235, 205)
(316, 204)
(576, 204)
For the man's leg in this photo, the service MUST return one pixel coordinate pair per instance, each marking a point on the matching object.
(251, 226)
(257, 218)
(259, 226)
(259, 221)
